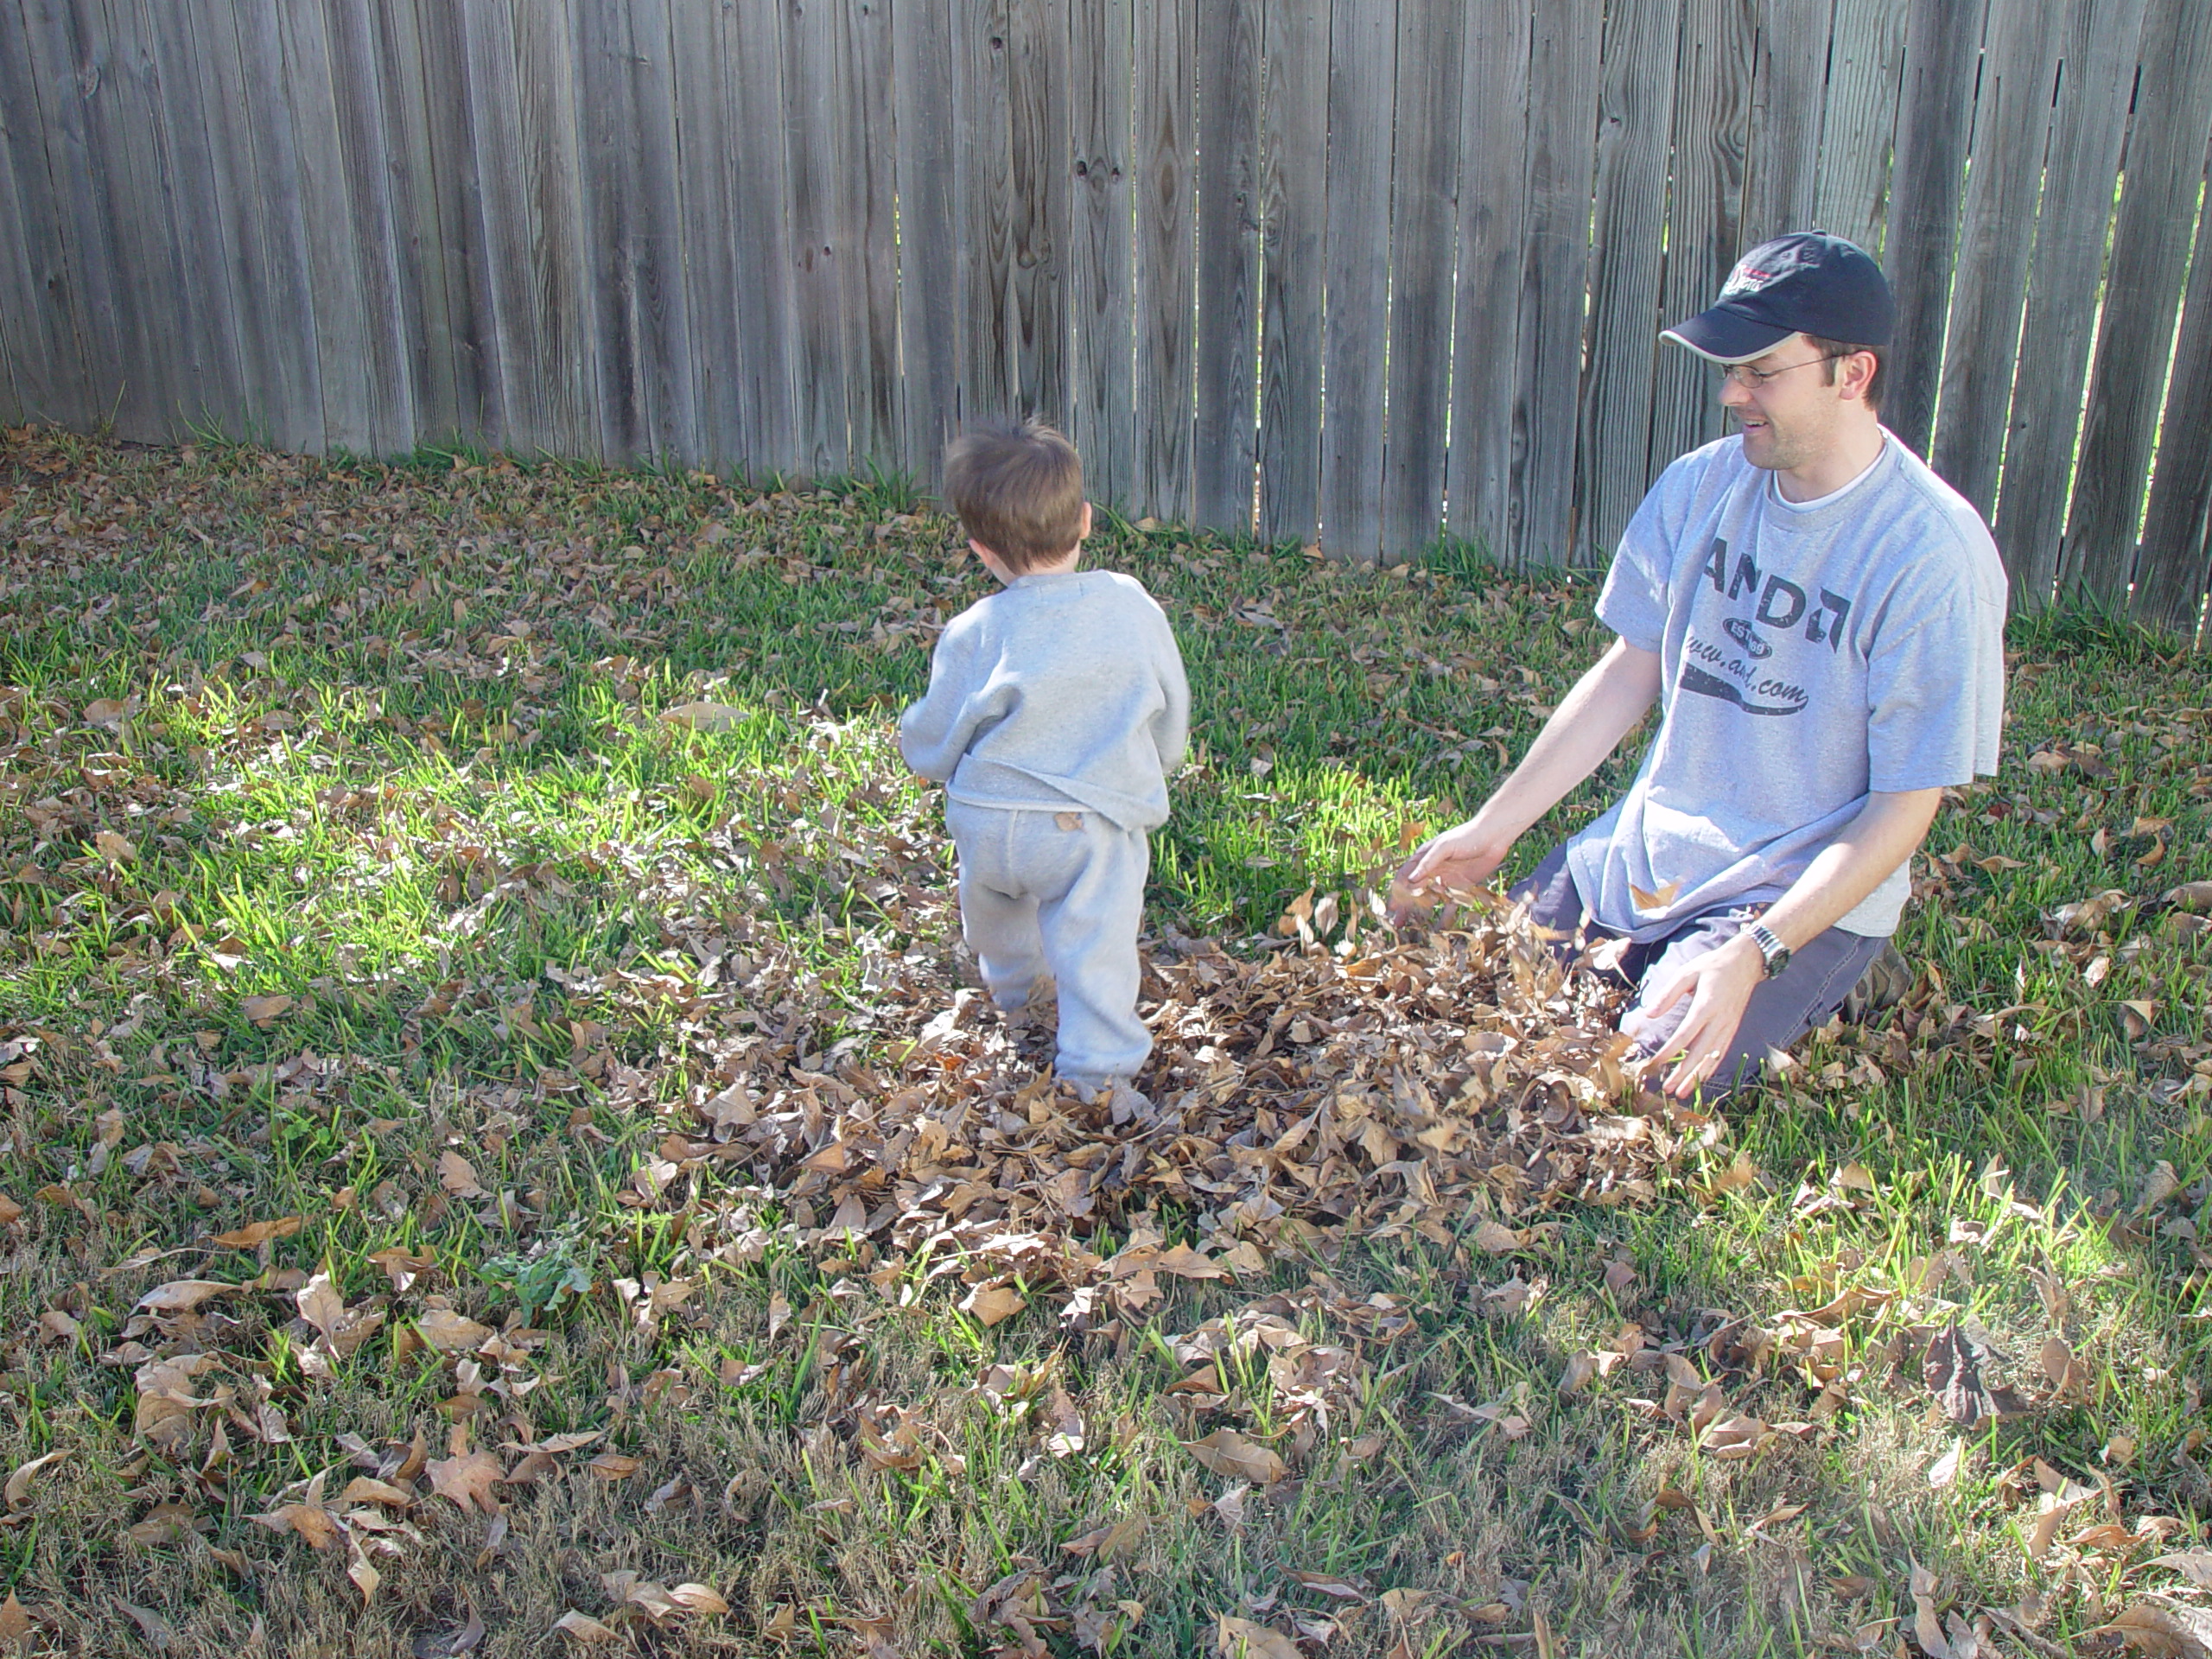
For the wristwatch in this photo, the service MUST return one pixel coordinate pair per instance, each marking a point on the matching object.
(1771, 947)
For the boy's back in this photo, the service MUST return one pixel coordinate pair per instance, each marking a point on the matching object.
(1063, 689)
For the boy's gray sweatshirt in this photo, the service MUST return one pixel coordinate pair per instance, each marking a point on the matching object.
(1059, 690)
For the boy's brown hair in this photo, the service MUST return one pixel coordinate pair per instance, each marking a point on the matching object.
(1018, 488)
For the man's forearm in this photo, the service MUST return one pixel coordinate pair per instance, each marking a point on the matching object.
(1602, 708)
(1887, 831)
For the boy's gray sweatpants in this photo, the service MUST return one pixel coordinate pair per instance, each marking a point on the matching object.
(1059, 893)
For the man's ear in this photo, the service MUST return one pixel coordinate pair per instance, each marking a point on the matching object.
(1853, 375)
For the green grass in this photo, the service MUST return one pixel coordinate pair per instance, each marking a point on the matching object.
(390, 745)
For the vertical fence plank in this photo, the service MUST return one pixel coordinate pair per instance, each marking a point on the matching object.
(983, 186)
(1636, 112)
(442, 383)
(455, 187)
(86, 261)
(1293, 218)
(47, 349)
(1424, 229)
(122, 112)
(869, 165)
(497, 207)
(1712, 102)
(2011, 122)
(1036, 111)
(1789, 87)
(928, 236)
(1935, 124)
(1861, 113)
(752, 69)
(1230, 34)
(1356, 265)
(1563, 67)
(665, 315)
(550, 183)
(1486, 318)
(334, 266)
(2095, 84)
(1167, 66)
(2170, 575)
(2150, 247)
(390, 323)
(288, 325)
(811, 118)
(711, 267)
(1102, 415)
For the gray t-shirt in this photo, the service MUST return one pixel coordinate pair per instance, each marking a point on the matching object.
(1060, 690)
(1808, 656)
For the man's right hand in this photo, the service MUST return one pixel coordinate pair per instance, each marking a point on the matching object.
(1462, 858)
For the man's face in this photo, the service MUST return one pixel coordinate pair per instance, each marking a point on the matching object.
(1793, 419)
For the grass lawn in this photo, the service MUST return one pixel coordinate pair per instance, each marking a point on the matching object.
(498, 1142)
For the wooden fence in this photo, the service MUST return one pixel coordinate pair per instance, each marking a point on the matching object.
(1360, 272)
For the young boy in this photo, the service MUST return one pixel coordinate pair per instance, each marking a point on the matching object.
(1057, 708)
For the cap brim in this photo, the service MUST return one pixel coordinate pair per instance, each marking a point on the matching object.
(1724, 336)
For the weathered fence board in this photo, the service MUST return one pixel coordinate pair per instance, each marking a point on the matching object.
(2012, 120)
(2088, 124)
(1425, 183)
(1712, 107)
(2169, 591)
(1358, 271)
(1294, 221)
(1356, 260)
(1101, 417)
(1229, 59)
(2149, 247)
(1166, 241)
(1636, 113)
(1486, 318)
(1935, 129)
(1865, 56)
(1789, 82)
(1563, 64)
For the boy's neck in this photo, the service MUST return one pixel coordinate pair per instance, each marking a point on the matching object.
(1007, 576)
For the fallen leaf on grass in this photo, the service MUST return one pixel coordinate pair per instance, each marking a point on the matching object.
(705, 717)
(458, 1176)
(991, 1305)
(310, 1520)
(183, 1295)
(19, 1483)
(256, 1234)
(366, 1489)
(16, 1622)
(1239, 1638)
(467, 1479)
(2195, 1564)
(159, 1634)
(1952, 1371)
(2163, 1628)
(264, 1010)
(613, 1465)
(1944, 1471)
(449, 1644)
(450, 1332)
(1227, 1452)
(585, 1628)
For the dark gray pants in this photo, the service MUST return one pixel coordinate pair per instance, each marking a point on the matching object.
(1807, 994)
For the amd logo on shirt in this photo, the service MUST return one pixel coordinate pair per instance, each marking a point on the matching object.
(1733, 671)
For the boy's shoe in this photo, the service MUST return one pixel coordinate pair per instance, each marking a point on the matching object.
(1126, 1101)
(1882, 986)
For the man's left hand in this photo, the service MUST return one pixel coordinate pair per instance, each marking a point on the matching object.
(1719, 985)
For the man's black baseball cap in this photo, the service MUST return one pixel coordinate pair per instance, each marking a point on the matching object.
(1807, 283)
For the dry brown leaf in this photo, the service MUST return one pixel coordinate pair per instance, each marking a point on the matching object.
(467, 1478)
(16, 1622)
(253, 1235)
(365, 1489)
(585, 1628)
(1227, 1452)
(450, 1332)
(265, 1010)
(458, 1176)
(364, 1576)
(1239, 1638)
(705, 716)
(2163, 1628)
(18, 1496)
(183, 1295)
(320, 1304)
(991, 1305)
(310, 1520)
(1952, 1369)
(614, 1465)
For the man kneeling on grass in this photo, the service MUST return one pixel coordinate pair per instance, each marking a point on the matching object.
(1056, 710)
(1821, 619)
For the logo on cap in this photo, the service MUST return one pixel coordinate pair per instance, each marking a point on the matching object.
(1749, 278)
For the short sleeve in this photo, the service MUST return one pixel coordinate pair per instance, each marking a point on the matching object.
(1633, 602)
(1935, 686)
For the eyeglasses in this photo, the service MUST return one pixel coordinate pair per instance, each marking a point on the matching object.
(1751, 379)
